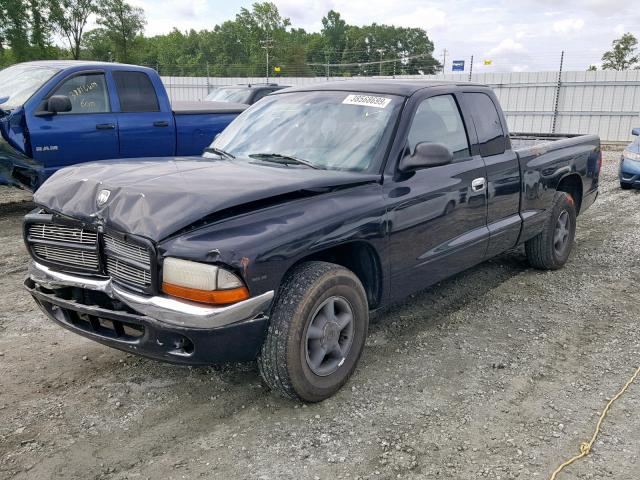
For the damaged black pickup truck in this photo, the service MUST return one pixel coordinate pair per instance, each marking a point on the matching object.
(314, 207)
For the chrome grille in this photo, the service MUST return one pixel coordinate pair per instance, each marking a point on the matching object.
(79, 249)
(71, 247)
(127, 250)
(59, 233)
(69, 256)
(127, 262)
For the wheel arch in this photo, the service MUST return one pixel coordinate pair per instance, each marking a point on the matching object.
(358, 256)
(572, 184)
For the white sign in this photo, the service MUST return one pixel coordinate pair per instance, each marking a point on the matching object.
(367, 101)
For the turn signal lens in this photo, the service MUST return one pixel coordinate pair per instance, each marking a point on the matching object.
(216, 297)
(201, 282)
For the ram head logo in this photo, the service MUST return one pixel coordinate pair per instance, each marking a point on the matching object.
(103, 197)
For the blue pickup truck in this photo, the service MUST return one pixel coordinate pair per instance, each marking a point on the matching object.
(58, 113)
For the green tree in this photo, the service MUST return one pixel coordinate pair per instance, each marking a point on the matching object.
(122, 23)
(96, 45)
(623, 54)
(334, 32)
(69, 18)
(14, 29)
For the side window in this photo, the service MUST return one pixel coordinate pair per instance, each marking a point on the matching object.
(491, 137)
(136, 92)
(438, 120)
(88, 93)
(261, 94)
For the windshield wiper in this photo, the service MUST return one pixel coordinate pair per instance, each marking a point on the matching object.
(282, 158)
(220, 152)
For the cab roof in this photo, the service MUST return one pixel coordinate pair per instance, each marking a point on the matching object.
(404, 88)
(78, 63)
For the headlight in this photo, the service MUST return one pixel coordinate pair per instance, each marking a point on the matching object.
(201, 282)
(629, 155)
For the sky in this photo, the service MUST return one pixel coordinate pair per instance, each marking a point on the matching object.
(524, 35)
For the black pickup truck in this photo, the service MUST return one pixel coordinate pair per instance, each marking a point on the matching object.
(315, 207)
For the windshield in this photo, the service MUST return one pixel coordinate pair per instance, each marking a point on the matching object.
(21, 81)
(234, 95)
(329, 130)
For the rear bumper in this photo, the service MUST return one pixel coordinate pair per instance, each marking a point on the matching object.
(233, 333)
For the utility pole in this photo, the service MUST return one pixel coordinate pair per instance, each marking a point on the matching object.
(444, 60)
(381, 51)
(558, 87)
(267, 45)
(471, 68)
(326, 57)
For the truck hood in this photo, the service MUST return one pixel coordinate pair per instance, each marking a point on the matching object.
(16, 168)
(156, 197)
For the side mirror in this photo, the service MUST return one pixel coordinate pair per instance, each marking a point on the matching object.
(427, 155)
(635, 131)
(59, 104)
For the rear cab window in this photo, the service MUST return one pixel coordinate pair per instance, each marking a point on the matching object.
(492, 138)
(136, 92)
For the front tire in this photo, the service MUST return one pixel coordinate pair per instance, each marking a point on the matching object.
(316, 334)
(550, 249)
(625, 186)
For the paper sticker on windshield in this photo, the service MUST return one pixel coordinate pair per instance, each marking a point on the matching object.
(367, 101)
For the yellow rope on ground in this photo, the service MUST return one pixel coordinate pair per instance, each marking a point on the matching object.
(585, 447)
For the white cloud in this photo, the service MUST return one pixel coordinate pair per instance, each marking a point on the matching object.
(423, 17)
(619, 29)
(568, 26)
(507, 46)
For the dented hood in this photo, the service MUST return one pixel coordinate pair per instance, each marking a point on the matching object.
(156, 197)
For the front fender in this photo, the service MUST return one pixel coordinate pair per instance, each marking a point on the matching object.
(262, 245)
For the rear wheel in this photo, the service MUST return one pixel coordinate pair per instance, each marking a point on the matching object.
(317, 332)
(550, 249)
(625, 186)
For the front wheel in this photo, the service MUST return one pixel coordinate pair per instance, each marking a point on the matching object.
(316, 334)
(550, 249)
(625, 186)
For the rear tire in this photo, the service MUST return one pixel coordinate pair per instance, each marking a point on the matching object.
(550, 249)
(316, 334)
(625, 186)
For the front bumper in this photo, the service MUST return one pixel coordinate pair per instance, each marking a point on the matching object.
(630, 172)
(155, 327)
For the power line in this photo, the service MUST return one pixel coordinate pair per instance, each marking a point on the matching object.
(362, 64)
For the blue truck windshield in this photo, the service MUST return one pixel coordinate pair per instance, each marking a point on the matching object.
(234, 95)
(328, 129)
(19, 82)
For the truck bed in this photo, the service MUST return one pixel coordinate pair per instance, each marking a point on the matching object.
(522, 140)
(197, 108)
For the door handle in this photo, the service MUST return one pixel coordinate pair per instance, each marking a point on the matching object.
(478, 184)
(105, 126)
(161, 123)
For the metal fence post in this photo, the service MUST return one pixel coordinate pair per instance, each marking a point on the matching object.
(208, 86)
(558, 87)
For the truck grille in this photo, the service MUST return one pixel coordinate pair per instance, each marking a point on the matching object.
(127, 262)
(74, 248)
(68, 256)
(78, 249)
(49, 231)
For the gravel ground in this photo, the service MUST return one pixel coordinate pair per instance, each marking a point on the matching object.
(497, 373)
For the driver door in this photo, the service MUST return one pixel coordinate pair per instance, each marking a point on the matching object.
(438, 215)
(88, 132)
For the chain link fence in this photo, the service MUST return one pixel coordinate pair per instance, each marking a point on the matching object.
(606, 103)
